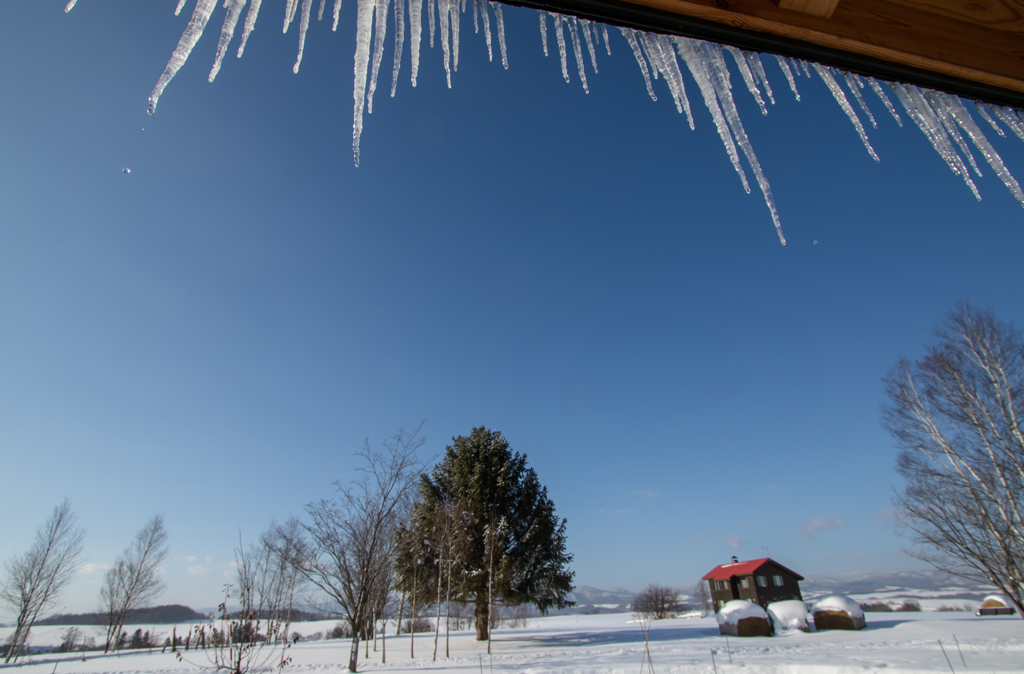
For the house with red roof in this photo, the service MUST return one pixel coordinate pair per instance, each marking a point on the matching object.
(761, 581)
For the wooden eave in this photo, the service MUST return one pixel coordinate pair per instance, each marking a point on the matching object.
(973, 48)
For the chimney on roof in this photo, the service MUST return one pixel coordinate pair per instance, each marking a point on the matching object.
(734, 560)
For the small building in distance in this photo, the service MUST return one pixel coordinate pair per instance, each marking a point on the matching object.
(761, 581)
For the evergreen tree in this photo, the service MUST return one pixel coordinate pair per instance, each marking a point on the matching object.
(511, 548)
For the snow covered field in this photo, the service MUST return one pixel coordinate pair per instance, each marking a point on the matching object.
(897, 643)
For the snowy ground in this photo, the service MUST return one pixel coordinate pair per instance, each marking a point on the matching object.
(896, 643)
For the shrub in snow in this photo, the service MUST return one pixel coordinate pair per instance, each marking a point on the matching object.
(789, 615)
(739, 618)
(837, 612)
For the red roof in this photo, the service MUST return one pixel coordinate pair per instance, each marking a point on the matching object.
(727, 571)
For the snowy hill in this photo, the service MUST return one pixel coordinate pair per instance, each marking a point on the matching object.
(591, 599)
(933, 589)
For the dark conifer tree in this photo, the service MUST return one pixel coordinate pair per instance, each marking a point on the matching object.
(512, 547)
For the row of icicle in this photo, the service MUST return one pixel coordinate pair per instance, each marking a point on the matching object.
(943, 118)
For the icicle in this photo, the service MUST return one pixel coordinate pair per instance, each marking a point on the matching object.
(250, 22)
(364, 29)
(688, 51)
(543, 30)
(855, 90)
(789, 75)
(642, 38)
(560, 39)
(336, 15)
(380, 13)
(577, 50)
(920, 111)
(666, 59)
(70, 6)
(676, 75)
(320, 14)
(453, 8)
(289, 13)
(415, 33)
(935, 128)
(949, 124)
(590, 43)
(877, 88)
(177, 10)
(715, 63)
(226, 33)
(188, 40)
(487, 29)
(500, 20)
(443, 14)
(431, 4)
(399, 43)
(744, 71)
(754, 60)
(803, 64)
(983, 111)
(960, 113)
(929, 115)
(303, 27)
(826, 76)
(748, 77)
(476, 17)
(607, 44)
(1010, 118)
(663, 57)
(630, 36)
(939, 143)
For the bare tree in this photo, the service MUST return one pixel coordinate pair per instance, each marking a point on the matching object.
(346, 550)
(656, 602)
(702, 594)
(256, 637)
(957, 415)
(34, 581)
(134, 579)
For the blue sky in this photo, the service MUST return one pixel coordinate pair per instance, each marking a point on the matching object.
(212, 336)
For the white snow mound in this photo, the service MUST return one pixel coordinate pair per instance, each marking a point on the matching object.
(838, 602)
(789, 615)
(734, 611)
(995, 598)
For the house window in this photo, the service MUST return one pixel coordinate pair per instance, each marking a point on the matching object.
(762, 581)
(778, 580)
(744, 583)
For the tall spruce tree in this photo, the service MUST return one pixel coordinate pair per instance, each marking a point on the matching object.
(512, 546)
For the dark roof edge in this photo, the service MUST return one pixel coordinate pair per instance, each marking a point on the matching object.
(786, 569)
(652, 20)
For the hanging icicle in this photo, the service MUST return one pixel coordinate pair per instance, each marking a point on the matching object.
(943, 118)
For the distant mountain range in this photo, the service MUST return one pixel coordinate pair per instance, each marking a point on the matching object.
(883, 585)
(917, 584)
(866, 585)
(160, 615)
(156, 615)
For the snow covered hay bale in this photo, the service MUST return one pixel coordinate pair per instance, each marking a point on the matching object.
(789, 615)
(739, 618)
(995, 604)
(838, 613)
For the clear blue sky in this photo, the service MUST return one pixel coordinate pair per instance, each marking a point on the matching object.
(212, 336)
